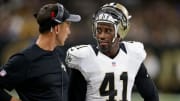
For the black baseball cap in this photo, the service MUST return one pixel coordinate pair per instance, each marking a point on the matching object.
(55, 13)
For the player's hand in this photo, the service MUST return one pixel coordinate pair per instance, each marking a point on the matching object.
(14, 99)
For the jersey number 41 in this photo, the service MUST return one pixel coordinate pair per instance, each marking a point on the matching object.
(112, 92)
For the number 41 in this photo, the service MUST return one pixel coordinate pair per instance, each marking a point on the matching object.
(109, 79)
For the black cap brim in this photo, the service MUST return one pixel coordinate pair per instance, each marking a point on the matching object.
(74, 18)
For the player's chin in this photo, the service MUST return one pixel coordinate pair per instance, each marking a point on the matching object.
(103, 48)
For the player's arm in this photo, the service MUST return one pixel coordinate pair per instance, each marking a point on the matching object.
(11, 74)
(77, 86)
(145, 85)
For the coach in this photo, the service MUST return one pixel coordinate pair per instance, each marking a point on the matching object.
(38, 73)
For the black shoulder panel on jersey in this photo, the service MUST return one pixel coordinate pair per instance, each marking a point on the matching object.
(122, 46)
(95, 49)
(77, 86)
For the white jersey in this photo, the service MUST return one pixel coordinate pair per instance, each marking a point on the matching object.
(107, 79)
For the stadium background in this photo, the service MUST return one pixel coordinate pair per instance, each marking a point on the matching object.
(154, 22)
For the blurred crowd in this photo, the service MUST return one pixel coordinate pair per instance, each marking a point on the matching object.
(154, 22)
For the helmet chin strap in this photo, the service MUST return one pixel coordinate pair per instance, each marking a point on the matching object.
(116, 32)
(116, 28)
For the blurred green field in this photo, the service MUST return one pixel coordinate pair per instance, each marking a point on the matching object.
(163, 97)
(136, 96)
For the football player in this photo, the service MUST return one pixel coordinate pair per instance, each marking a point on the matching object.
(108, 72)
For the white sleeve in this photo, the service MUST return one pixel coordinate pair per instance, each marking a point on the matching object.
(140, 51)
(136, 49)
(75, 55)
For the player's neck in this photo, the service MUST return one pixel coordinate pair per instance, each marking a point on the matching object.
(113, 52)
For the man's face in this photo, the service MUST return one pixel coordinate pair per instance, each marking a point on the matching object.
(105, 33)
